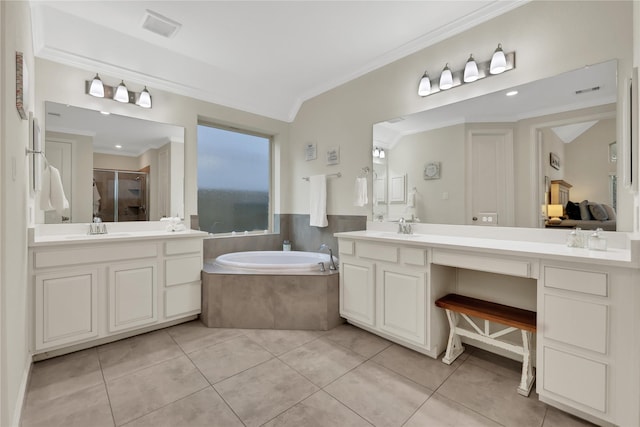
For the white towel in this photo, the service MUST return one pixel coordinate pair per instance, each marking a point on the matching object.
(360, 192)
(318, 201)
(96, 199)
(411, 199)
(52, 194)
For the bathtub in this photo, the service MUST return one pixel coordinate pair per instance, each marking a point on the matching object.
(270, 290)
(280, 262)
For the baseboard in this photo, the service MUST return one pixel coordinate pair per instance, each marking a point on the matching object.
(22, 393)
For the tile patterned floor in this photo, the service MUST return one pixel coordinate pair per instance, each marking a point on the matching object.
(192, 376)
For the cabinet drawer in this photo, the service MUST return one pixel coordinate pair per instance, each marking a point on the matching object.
(184, 246)
(182, 270)
(588, 282)
(413, 256)
(511, 267)
(379, 252)
(580, 323)
(576, 378)
(346, 247)
(94, 255)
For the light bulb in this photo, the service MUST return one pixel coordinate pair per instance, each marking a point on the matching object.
(424, 88)
(446, 78)
(382, 155)
(96, 88)
(376, 152)
(498, 61)
(470, 70)
(122, 94)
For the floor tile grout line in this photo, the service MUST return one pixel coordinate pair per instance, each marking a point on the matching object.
(106, 388)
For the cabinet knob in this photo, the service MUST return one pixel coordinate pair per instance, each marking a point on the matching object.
(475, 218)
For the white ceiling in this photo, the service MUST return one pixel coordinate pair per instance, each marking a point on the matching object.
(265, 57)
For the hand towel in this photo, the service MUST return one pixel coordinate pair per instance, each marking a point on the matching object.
(96, 199)
(318, 201)
(360, 192)
(52, 194)
(411, 199)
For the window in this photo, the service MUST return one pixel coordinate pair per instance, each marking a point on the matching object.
(234, 180)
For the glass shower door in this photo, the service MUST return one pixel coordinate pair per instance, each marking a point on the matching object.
(120, 195)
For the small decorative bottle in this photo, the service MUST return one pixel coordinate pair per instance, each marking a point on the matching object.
(286, 245)
(597, 242)
(572, 239)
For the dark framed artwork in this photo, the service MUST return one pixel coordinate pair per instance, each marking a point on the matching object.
(554, 161)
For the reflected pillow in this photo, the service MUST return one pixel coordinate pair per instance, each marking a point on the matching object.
(598, 212)
(610, 212)
(585, 214)
(573, 210)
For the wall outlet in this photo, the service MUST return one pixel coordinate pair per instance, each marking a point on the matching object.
(488, 218)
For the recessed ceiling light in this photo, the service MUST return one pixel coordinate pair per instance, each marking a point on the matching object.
(106, 113)
(512, 93)
(118, 146)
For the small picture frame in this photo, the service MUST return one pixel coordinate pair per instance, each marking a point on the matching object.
(333, 156)
(554, 161)
(432, 170)
(310, 151)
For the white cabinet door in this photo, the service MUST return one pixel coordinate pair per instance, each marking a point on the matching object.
(132, 295)
(402, 302)
(357, 290)
(66, 307)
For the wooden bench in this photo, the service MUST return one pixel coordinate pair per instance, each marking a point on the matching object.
(513, 318)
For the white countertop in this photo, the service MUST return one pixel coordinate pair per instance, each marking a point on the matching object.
(497, 242)
(71, 234)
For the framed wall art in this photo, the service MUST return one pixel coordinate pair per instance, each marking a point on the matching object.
(23, 87)
(554, 161)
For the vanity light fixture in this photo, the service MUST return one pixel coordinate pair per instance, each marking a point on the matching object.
(382, 155)
(470, 70)
(473, 70)
(498, 61)
(424, 88)
(144, 99)
(376, 152)
(120, 93)
(446, 78)
(96, 88)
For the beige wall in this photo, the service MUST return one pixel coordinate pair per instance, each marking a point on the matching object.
(549, 37)
(15, 30)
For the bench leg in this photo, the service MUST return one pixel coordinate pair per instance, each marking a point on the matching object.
(454, 345)
(527, 379)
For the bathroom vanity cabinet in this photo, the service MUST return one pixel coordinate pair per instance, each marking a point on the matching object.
(587, 303)
(93, 291)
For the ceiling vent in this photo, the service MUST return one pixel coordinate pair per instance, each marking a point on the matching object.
(159, 24)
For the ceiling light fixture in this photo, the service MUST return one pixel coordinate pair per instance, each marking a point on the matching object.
(96, 88)
(470, 70)
(119, 93)
(122, 94)
(512, 93)
(498, 61)
(446, 78)
(473, 71)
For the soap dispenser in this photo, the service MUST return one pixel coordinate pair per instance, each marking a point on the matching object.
(597, 242)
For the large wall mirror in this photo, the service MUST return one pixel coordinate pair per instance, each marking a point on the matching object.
(506, 157)
(114, 167)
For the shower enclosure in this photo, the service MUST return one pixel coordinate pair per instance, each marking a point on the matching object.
(120, 195)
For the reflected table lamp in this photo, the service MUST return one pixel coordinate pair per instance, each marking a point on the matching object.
(555, 212)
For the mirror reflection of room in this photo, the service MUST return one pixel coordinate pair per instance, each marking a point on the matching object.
(113, 167)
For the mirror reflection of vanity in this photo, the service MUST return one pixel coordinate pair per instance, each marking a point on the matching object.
(114, 167)
(490, 160)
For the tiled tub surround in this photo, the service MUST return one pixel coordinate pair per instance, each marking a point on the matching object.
(242, 299)
(292, 227)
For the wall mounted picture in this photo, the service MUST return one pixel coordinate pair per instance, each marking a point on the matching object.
(310, 151)
(554, 161)
(333, 156)
(432, 170)
(22, 86)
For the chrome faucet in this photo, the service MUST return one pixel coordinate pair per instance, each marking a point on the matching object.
(97, 227)
(403, 227)
(332, 264)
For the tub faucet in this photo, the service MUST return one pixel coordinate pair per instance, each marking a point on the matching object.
(332, 264)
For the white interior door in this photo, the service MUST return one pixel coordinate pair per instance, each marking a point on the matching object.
(490, 186)
(59, 156)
